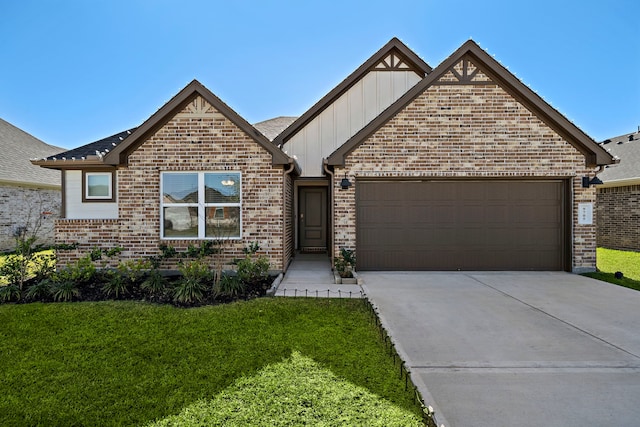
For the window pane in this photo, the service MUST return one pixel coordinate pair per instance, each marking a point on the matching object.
(180, 188)
(181, 222)
(222, 187)
(99, 185)
(222, 222)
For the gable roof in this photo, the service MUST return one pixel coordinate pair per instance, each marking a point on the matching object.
(114, 150)
(414, 63)
(17, 147)
(594, 154)
(627, 148)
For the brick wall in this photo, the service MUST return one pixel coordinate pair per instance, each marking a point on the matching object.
(464, 131)
(89, 234)
(618, 213)
(197, 139)
(24, 206)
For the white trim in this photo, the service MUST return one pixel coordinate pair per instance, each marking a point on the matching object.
(109, 176)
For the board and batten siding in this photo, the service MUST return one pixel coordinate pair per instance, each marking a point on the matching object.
(352, 111)
(76, 209)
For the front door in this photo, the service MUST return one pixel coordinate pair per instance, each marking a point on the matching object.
(313, 218)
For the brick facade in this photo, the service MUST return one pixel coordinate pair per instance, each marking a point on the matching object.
(618, 213)
(24, 206)
(190, 141)
(465, 131)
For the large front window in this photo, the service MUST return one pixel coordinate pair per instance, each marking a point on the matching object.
(200, 205)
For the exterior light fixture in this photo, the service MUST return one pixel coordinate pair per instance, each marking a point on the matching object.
(345, 183)
(586, 182)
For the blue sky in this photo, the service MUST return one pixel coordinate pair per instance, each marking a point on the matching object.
(76, 71)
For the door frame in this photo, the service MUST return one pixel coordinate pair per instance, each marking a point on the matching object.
(313, 182)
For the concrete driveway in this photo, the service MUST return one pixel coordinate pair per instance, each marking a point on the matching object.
(516, 349)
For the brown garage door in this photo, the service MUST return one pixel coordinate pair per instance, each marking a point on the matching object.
(461, 225)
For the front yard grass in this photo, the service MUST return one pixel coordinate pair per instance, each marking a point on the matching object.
(129, 363)
(611, 261)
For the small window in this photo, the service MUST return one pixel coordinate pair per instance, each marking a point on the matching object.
(200, 205)
(98, 187)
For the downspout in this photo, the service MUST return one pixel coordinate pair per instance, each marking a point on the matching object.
(292, 167)
(332, 203)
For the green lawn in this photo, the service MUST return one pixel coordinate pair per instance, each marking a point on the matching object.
(128, 363)
(610, 261)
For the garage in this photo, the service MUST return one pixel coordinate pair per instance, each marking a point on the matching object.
(462, 225)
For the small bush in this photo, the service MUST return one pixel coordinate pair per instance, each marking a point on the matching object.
(116, 285)
(10, 293)
(196, 276)
(345, 262)
(40, 290)
(134, 270)
(65, 291)
(230, 286)
(82, 271)
(155, 283)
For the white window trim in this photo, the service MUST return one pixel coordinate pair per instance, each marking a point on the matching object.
(109, 175)
(201, 205)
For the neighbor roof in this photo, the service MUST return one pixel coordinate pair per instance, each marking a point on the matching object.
(594, 154)
(17, 148)
(627, 148)
(274, 127)
(394, 45)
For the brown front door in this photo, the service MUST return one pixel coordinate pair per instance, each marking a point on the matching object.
(313, 218)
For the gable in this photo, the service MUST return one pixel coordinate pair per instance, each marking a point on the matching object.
(471, 66)
(188, 98)
(350, 106)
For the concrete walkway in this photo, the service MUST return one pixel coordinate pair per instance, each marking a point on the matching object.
(516, 349)
(310, 275)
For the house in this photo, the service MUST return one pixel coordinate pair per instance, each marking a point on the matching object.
(618, 198)
(29, 195)
(459, 167)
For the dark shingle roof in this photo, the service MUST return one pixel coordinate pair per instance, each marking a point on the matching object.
(17, 148)
(96, 148)
(627, 148)
(274, 127)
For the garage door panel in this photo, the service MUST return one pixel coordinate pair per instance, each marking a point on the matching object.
(461, 225)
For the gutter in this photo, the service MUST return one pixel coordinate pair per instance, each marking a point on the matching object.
(292, 167)
(329, 172)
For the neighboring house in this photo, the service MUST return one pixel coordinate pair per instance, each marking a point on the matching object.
(29, 195)
(461, 167)
(618, 198)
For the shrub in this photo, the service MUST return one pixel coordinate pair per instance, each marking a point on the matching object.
(155, 283)
(253, 272)
(65, 290)
(40, 290)
(196, 276)
(116, 285)
(9, 293)
(82, 271)
(230, 286)
(345, 262)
